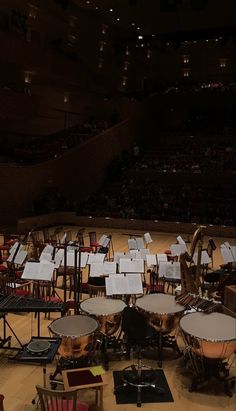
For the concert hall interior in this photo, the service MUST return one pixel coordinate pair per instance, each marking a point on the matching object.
(117, 204)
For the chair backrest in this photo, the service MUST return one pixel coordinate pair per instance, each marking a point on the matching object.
(92, 237)
(134, 325)
(1, 402)
(54, 400)
(96, 290)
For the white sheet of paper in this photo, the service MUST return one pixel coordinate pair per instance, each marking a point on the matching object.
(96, 258)
(177, 249)
(45, 256)
(132, 244)
(109, 267)
(180, 240)
(205, 259)
(140, 243)
(147, 238)
(19, 258)
(170, 270)
(96, 270)
(135, 285)
(228, 253)
(161, 257)
(135, 265)
(14, 247)
(38, 271)
(151, 260)
(48, 249)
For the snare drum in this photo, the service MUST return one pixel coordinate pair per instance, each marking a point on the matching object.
(107, 311)
(209, 335)
(162, 311)
(76, 333)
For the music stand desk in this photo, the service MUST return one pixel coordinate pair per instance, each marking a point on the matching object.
(70, 376)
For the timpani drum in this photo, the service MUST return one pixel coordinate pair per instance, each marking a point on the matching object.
(76, 333)
(106, 311)
(162, 311)
(209, 335)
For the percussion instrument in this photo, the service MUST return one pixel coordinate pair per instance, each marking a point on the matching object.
(162, 311)
(209, 335)
(76, 333)
(197, 303)
(107, 311)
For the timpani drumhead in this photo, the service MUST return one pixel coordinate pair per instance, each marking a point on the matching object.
(73, 326)
(77, 333)
(159, 304)
(209, 327)
(107, 311)
(102, 306)
(210, 335)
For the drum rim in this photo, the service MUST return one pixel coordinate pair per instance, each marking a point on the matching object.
(182, 308)
(74, 336)
(202, 338)
(101, 315)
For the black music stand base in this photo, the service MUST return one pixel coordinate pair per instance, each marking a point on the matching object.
(212, 369)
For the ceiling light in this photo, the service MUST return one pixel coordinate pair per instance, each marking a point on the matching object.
(117, 19)
(111, 10)
(138, 28)
(133, 24)
(140, 37)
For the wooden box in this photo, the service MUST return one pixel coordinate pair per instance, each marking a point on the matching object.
(230, 297)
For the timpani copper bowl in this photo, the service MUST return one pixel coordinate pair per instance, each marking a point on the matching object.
(209, 335)
(107, 311)
(77, 333)
(162, 311)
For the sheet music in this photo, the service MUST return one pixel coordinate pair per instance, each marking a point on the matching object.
(118, 256)
(14, 247)
(109, 267)
(132, 244)
(161, 257)
(38, 271)
(143, 253)
(228, 253)
(170, 270)
(48, 249)
(83, 259)
(205, 259)
(45, 256)
(124, 284)
(96, 258)
(58, 257)
(96, 270)
(177, 249)
(135, 265)
(104, 240)
(147, 238)
(151, 260)
(180, 240)
(140, 243)
(19, 258)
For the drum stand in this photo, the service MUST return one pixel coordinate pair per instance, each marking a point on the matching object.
(205, 369)
(168, 341)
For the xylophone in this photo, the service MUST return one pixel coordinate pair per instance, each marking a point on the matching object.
(12, 304)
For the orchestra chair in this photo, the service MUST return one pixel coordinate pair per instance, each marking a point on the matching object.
(138, 334)
(93, 241)
(63, 400)
(1, 402)
(96, 290)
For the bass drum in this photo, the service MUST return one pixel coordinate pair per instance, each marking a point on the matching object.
(209, 335)
(107, 311)
(77, 333)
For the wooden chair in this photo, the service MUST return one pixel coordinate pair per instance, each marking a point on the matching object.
(1, 402)
(96, 290)
(55, 400)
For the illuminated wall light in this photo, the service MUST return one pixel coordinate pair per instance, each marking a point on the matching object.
(102, 45)
(100, 63)
(127, 51)
(186, 58)
(124, 81)
(104, 28)
(33, 11)
(186, 73)
(117, 19)
(126, 65)
(149, 53)
(111, 10)
(140, 37)
(27, 77)
(223, 63)
(66, 98)
(138, 28)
